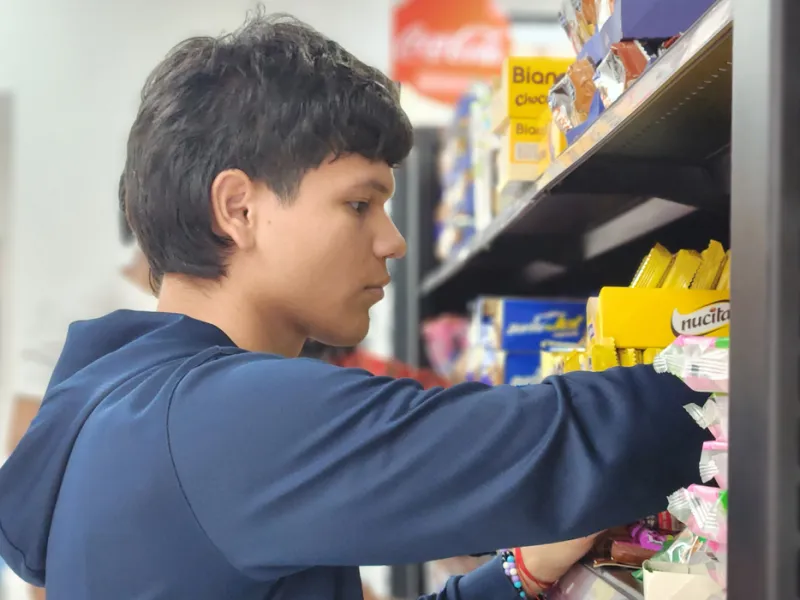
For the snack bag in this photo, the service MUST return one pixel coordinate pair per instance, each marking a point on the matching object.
(713, 259)
(630, 357)
(578, 19)
(724, 282)
(681, 273)
(570, 98)
(714, 463)
(702, 362)
(649, 355)
(704, 510)
(713, 415)
(623, 65)
(603, 355)
(653, 268)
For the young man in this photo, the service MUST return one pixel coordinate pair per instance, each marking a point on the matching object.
(187, 454)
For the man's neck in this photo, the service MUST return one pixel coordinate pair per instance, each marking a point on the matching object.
(215, 303)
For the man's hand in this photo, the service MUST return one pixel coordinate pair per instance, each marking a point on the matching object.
(549, 562)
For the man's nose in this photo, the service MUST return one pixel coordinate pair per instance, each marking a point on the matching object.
(390, 243)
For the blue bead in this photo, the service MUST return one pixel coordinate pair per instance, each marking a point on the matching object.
(511, 558)
(517, 584)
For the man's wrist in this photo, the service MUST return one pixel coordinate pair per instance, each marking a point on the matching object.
(533, 584)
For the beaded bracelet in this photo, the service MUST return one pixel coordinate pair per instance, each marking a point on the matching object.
(511, 571)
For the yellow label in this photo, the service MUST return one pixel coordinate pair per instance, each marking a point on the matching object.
(529, 142)
(527, 81)
(653, 318)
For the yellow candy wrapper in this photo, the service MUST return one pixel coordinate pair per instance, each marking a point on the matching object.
(681, 273)
(653, 268)
(649, 355)
(629, 357)
(709, 272)
(603, 355)
(724, 282)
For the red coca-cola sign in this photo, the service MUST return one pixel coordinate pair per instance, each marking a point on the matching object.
(441, 46)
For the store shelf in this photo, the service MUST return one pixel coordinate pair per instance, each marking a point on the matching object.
(667, 137)
(585, 582)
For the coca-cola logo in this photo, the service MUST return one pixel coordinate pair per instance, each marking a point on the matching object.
(470, 46)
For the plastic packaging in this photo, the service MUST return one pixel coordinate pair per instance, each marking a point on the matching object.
(623, 65)
(603, 9)
(630, 357)
(653, 268)
(603, 355)
(713, 415)
(724, 282)
(681, 273)
(649, 355)
(702, 362)
(578, 19)
(571, 96)
(704, 510)
(647, 537)
(713, 260)
(687, 548)
(714, 463)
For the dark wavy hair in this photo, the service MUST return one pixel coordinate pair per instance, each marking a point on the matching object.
(274, 99)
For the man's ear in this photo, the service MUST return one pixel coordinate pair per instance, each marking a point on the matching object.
(233, 197)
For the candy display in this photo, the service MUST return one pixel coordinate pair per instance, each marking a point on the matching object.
(702, 362)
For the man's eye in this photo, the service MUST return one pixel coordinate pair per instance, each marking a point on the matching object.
(359, 206)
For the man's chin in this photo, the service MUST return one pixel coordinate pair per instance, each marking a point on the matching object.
(344, 337)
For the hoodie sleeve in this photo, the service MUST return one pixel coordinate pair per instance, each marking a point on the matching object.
(293, 462)
(487, 581)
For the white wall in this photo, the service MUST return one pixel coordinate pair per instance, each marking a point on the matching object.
(74, 69)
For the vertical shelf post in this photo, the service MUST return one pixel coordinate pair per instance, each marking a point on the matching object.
(764, 552)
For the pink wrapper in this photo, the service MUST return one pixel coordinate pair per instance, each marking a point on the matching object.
(704, 510)
(702, 362)
(714, 463)
(713, 415)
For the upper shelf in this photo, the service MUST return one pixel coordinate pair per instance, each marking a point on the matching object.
(653, 157)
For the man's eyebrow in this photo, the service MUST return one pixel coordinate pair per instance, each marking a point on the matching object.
(373, 184)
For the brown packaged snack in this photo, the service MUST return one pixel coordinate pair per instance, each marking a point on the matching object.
(581, 73)
(630, 553)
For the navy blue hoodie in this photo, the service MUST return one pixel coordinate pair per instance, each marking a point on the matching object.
(167, 463)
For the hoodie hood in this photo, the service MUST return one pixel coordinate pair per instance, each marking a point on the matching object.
(86, 372)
